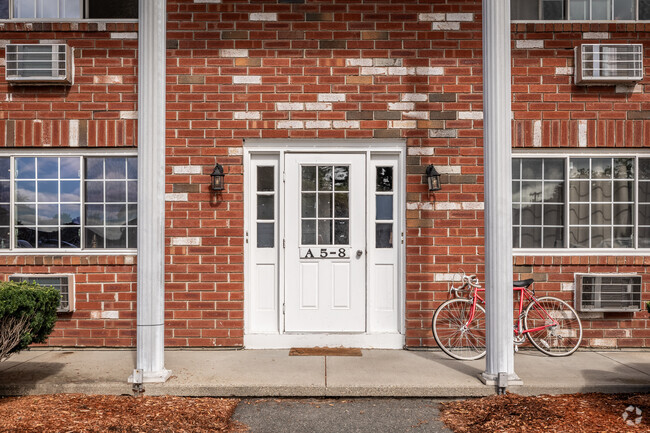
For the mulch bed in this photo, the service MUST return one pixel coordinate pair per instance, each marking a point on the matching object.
(584, 413)
(109, 413)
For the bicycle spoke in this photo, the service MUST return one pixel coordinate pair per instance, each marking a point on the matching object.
(552, 326)
(455, 333)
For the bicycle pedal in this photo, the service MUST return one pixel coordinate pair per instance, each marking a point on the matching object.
(516, 348)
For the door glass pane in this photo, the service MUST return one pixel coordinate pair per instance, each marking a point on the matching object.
(308, 205)
(384, 207)
(309, 232)
(324, 205)
(384, 179)
(265, 178)
(265, 209)
(384, 235)
(324, 232)
(341, 175)
(341, 232)
(309, 178)
(341, 205)
(324, 178)
(265, 235)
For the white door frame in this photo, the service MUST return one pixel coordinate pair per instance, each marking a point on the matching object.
(273, 336)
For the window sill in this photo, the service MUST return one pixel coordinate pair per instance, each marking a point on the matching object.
(68, 252)
(600, 252)
(579, 21)
(67, 20)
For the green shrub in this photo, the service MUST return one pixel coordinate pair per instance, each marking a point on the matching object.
(30, 301)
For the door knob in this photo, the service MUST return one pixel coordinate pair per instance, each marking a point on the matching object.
(359, 252)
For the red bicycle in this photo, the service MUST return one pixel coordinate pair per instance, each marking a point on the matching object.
(550, 324)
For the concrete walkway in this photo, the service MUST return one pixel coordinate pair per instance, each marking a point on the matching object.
(396, 373)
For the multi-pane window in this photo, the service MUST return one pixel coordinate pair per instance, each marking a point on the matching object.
(581, 202)
(384, 217)
(266, 206)
(325, 205)
(68, 202)
(580, 9)
(68, 9)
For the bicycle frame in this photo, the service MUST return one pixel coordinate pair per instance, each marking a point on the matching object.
(524, 294)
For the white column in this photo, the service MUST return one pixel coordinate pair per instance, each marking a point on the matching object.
(498, 190)
(151, 192)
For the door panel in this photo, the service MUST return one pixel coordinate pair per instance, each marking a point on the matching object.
(325, 229)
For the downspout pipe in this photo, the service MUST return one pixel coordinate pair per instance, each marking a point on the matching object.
(150, 364)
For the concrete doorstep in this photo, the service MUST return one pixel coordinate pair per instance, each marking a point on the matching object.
(273, 373)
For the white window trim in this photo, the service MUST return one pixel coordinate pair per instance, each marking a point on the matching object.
(62, 153)
(584, 153)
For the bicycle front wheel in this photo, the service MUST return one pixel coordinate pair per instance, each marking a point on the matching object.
(560, 339)
(455, 334)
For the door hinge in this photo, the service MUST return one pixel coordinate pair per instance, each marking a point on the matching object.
(284, 176)
(284, 243)
(283, 308)
(402, 238)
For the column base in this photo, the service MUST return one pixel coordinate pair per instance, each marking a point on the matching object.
(159, 376)
(493, 379)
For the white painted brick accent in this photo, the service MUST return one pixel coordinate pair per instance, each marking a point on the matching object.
(416, 151)
(289, 106)
(263, 17)
(52, 41)
(233, 53)
(414, 97)
(2, 62)
(411, 206)
(595, 35)
(443, 133)
(448, 169)
(3, 43)
(447, 277)
(397, 71)
(101, 26)
(73, 135)
(446, 205)
(318, 124)
(568, 287)
(472, 205)
(358, 62)
(603, 342)
(425, 205)
(186, 241)
(331, 97)
(247, 79)
(128, 114)
(582, 133)
(207, 1)
(401, 106)
(109, 315)
(420, 115)
(564, 71)
(107, 79)
(374, 71)
(633, 88)
(387, 62)
(125, 35)
(445, 26)
(537, 133)
(591, 315)
(290, 124)
(431, 17)
(346, 124)
(243, 115)
(176, 196)
(187, 169)
(235, 151)
(318, 106)
(470, 115)
(460, 17)
(129, 260)
(400, 124)
(424, 70)
(529, 43)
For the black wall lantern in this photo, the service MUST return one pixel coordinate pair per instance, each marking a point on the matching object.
(433, 178)
(216, 178)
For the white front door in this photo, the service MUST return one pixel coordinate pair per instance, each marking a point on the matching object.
(325, 251)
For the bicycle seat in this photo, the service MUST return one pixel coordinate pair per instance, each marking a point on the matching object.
(523, 283)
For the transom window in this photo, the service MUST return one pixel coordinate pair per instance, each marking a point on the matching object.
(68, 9)
(580, 10)
(581, 202)
(68, 202)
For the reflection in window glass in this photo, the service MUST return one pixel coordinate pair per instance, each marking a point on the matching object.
(265, 206)
(4, 9)
(384, 207)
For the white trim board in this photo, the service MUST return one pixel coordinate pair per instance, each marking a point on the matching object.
(287, 341)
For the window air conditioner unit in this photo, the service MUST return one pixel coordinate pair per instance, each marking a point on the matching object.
(39, 64)
(608, 292)
(63, 283)
(598, 64)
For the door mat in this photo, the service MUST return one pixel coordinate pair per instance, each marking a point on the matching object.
(325, 351)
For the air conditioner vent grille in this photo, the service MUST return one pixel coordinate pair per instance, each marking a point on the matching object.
(62, 283)
(608, 292)
(38, 64)
(599, 64)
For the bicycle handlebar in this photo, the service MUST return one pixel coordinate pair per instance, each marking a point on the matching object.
(468, 280)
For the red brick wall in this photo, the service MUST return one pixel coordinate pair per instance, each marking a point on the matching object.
(283, 69)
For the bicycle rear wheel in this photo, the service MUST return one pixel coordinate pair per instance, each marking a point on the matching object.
(455, 336)
(561, 339)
